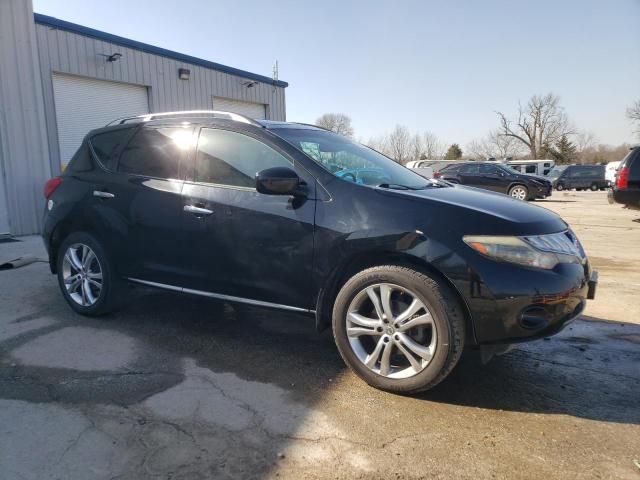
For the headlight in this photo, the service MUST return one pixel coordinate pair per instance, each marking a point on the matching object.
(542, 251)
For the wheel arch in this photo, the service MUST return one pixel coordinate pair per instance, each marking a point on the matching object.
(61, 231)
(362, 261)
(518, 183)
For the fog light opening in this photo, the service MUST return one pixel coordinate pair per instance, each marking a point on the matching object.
(534, 318)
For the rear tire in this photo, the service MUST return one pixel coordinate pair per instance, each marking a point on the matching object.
(560, 187)
(86, 276)
(433, 335)
(594, 187)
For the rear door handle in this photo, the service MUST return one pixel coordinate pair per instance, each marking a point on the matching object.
(197, 210)
(101, 194)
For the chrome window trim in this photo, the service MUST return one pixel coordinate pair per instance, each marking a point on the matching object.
(219, 296)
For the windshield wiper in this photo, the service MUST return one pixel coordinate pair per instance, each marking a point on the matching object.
(397, 186)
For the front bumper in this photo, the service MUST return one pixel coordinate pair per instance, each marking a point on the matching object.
(510, 304)
(544, 191)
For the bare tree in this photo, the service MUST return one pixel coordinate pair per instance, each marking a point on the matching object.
(584, 142)
(478, 150)
(417, 147)
(542, 121)
(504, 146)
(495, 145)
(336, 122)
(633, 113)
(400, 144)
(433, 147)
(380, 143)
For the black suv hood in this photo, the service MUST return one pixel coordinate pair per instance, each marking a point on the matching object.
(537, 178)
(461, 206)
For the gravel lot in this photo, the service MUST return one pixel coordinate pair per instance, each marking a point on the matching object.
(180, 387)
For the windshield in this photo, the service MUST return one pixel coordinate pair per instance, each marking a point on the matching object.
(555, 172)
(350, 160)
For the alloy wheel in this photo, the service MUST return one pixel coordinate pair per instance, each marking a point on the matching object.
(82, 274)
(391, 331)
(518, 192)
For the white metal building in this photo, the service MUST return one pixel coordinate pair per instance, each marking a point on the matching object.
(58, 80)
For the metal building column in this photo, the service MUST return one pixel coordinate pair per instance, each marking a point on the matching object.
(24, 154)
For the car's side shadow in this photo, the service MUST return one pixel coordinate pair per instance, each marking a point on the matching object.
(590, 370)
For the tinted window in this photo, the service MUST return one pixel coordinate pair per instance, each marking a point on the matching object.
(451, 168)
(230, 158)
(345, 158)
(530, 169)
(583, 172)
(634, 164)
(106, 145)
(81, 161)
(470, 169)
(155, 152)
(572, 172)
(488, 169)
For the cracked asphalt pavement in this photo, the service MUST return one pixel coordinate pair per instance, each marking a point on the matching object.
(180, 387)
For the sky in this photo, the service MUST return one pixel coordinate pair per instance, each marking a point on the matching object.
(442, 66)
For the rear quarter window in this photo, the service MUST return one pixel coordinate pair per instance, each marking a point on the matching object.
(632, 162)
(107, 145)
(81, 161)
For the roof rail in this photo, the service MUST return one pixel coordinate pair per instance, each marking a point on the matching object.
(236, 117)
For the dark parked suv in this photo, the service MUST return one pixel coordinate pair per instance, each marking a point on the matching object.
(498, 178)
(581, 177)
(406, 271)
(627, 187)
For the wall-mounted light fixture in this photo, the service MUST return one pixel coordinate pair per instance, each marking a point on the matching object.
(111, 57)
(249, 83)
(184, 73)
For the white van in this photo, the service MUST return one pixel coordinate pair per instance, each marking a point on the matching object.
(610, 172)
(533, 167)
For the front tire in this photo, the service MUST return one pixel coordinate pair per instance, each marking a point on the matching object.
(398, 329)
(519, 192)
(560, 187)
(594, 187)
(86, 275)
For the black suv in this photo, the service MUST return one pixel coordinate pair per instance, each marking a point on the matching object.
(581, 177)
(406, 271)
(498, 178)
(627, 187)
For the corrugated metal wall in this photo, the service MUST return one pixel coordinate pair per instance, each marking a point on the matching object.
(24, 155)
(72, 53)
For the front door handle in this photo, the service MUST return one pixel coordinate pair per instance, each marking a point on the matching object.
(101, 194)
(197, 210)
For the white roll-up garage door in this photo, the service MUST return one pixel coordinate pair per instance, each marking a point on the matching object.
(249, 109)
(83, 104)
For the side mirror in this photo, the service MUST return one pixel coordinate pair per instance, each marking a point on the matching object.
(278, 181)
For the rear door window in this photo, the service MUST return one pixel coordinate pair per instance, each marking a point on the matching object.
(470, 170)
(156, 152)
(489, 170)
